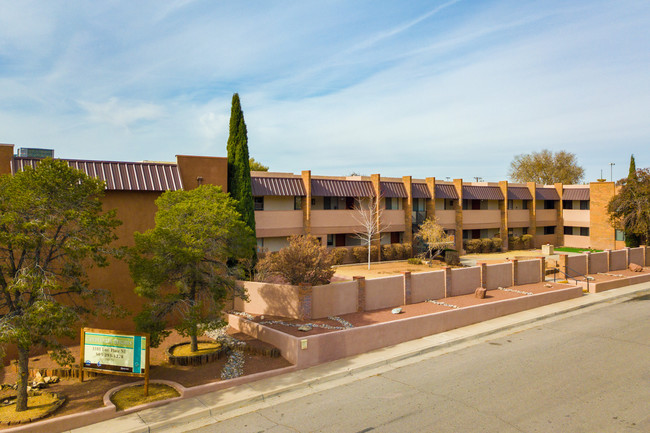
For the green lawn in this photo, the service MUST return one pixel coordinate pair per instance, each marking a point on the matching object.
(575, 250)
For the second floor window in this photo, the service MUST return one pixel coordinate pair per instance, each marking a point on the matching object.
(259, 203)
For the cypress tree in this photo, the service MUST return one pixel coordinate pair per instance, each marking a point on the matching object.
(632, 173)
(239, 173)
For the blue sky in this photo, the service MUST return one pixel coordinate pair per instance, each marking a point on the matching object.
(421, 88)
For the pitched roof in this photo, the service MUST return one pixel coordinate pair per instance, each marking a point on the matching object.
(393, 189)
(341, 188)
(446, 191)
(420, 190)
(519, 193)
(120, 176)
(277, 186)
(475, 192)
(575, 194)
(546, 194)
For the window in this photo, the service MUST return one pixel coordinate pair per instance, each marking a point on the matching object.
(524, 204)
(330, 240)
(524, 230)
(259, 203)
(449, 204)
(389, 204)
(568, 230)
(584, 231)
(418, 205)
(327, 203)
(297, 203)
(511, 204)
(567, 204)
(584, 204)
(549, 230)
(467, 204)
(549, 204)
(620, 235)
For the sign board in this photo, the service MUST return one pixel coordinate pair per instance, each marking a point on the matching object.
(113, 352)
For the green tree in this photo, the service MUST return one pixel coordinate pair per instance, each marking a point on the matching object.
(257, 166)
(304, 260)
(239, 172)
(181, 264)
(632, 171)
(434, 237)
(630, 208)
(546, 167)
(52, 229)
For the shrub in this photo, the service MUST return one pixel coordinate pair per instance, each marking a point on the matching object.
(374, 253)
(474, 246)
(414, 261)
(408, 250)
(388, 252)
(486, 245)
(497, 244)
(400, 251)
(339, 255)
(360, 254)
(526, 240)
(514, 243)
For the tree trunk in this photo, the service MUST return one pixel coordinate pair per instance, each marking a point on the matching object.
(368, 255)
(194, 345)
(23, 377)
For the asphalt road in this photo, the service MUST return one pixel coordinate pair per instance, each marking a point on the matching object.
(585, 373)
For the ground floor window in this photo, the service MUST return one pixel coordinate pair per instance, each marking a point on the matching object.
(620, 235)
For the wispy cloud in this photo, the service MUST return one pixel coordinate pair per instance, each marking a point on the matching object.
(121, 113)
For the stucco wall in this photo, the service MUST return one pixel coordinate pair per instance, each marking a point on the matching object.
(427, 285)
(528, 272)
(617, 260)
(598, 263)
(212, 169)
(334, 299)
(636, 256)
(271, 299)
(576, 265)
(498, 275)
(464, 281)
(384, 292)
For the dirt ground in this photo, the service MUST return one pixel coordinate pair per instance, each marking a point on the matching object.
(382, 269)
(90, 393)
(411, 310)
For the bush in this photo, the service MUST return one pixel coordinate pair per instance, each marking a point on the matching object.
(408, 250)
(339, 255)
(473, 246)
(400, 251)
(360, 254)
(527, 241)
(414, 261)
(514, 243)
(486, 245)
(388, 252)
(374, 253)
(497, 243)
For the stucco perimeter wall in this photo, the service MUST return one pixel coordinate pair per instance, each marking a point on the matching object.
(335, 299)
(427, 285)
(598, 263)
(528, 272)
(341, 344)
(617, 260)
(464, 281)
(271, 299)
(636, 256)
(384, 292)
(498, 276)
(576, 265)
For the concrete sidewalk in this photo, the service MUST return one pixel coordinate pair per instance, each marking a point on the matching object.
(205, 409)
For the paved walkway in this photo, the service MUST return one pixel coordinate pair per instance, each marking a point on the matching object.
(197, 411)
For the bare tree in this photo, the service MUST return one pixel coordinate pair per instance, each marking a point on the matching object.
(369, 216)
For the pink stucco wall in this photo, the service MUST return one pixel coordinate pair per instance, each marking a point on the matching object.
(334, 299)
(287, 344)
(464, 281)
(617, 260)
(598, 263)
(271, 299)
(528, 272)
(576, 265)
(636, 256)
(499, 275)
(384, 292)
(427, 285)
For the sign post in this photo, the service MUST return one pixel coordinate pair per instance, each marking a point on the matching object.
(113, 352)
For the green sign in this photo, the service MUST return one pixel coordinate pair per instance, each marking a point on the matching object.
(119, 353)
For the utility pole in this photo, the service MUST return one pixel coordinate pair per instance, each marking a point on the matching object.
(611, 171)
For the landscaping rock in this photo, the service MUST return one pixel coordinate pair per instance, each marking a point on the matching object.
(305, 328)
(396, 311)
(635, 268)
(480, 293)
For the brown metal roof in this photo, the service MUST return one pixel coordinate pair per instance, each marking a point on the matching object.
(575, 194)
(471, 192)
(420, 190)
(393, 190)
(278, 186)
(341, 188)
(519, 193)
(546, 194)
(446, 191)
(121, 176)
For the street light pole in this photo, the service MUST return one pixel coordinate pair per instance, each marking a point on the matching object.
(611, 171)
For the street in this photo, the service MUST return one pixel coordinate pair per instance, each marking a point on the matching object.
(585, 373)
